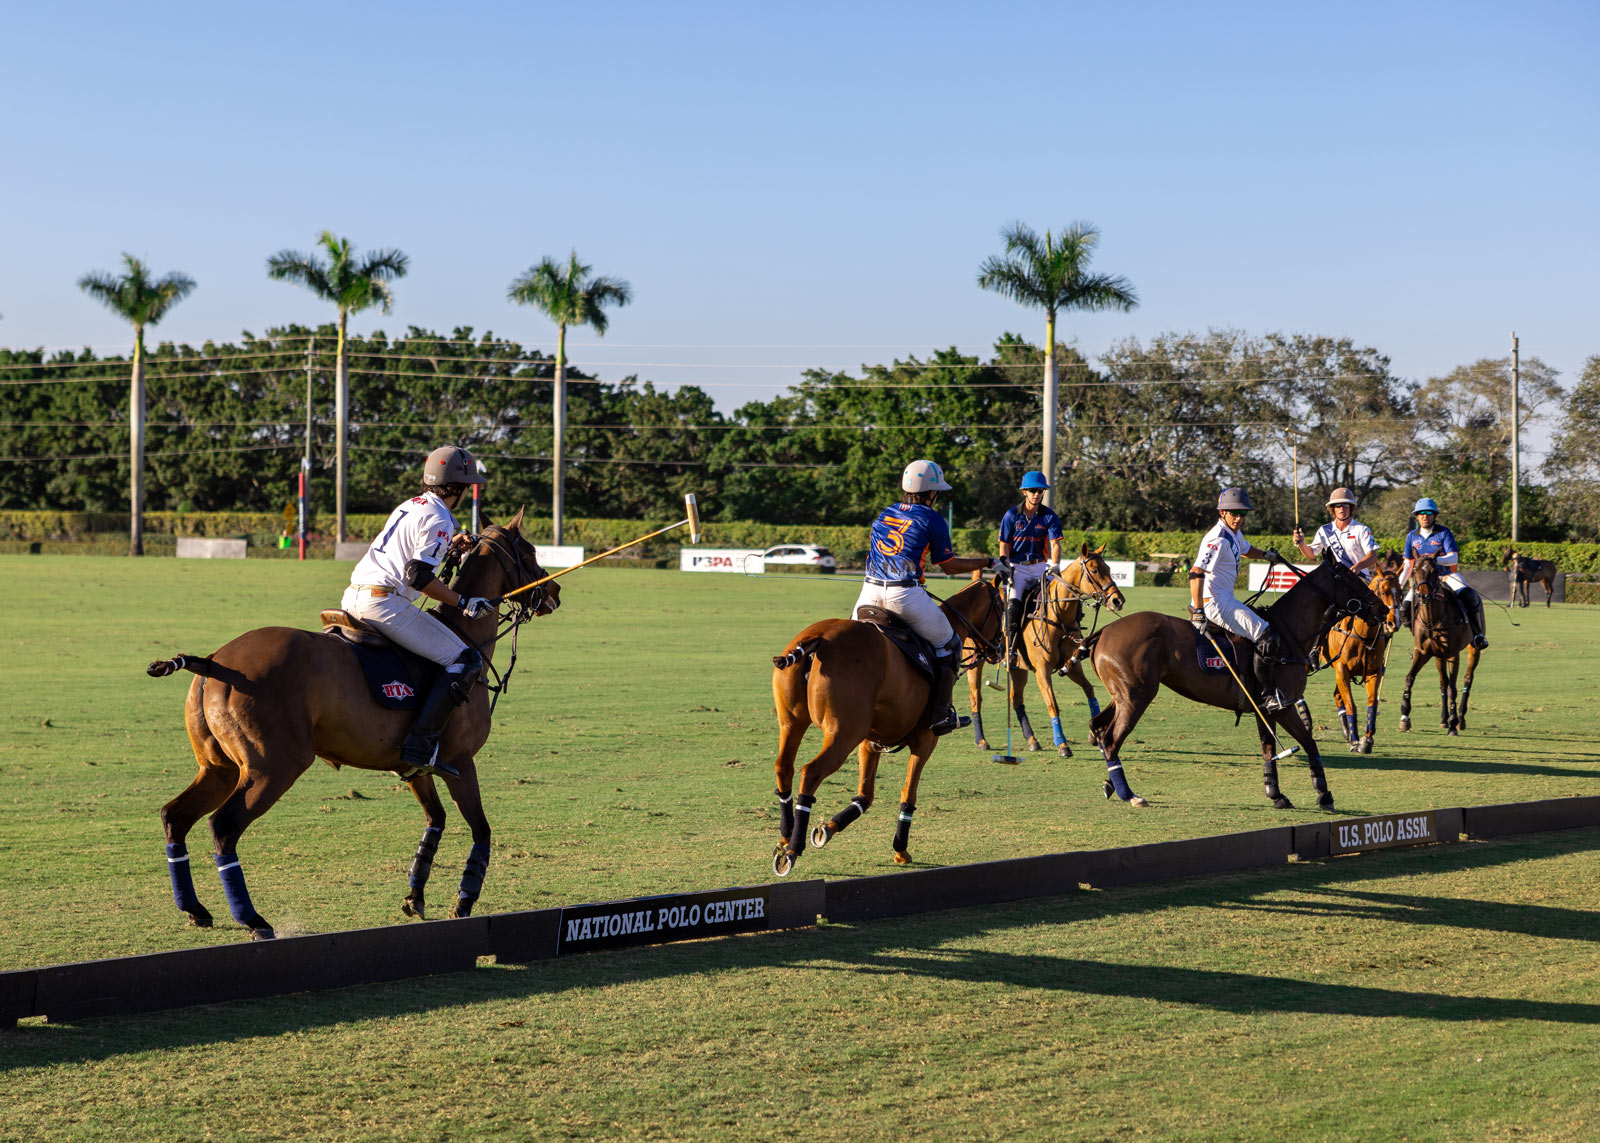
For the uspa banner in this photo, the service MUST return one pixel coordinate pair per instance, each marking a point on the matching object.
(744, 561)
(1282, 578)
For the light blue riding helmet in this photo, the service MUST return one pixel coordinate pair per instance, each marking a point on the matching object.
(1426, 504)
(1033, 480)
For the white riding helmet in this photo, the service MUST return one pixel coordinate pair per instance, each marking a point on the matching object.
(923, 476)
(1341, 495)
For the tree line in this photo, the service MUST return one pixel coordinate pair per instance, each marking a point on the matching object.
(1146, 434)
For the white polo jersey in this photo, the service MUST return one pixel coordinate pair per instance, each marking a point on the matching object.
(420, 529)
(1350, 544)
(1220, 552)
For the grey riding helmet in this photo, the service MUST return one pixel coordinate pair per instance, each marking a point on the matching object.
(450, 464)
(1234, 500)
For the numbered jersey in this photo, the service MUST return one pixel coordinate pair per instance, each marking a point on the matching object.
(1029, 536)
(420, 529)
(1220, 552)
(904, 538)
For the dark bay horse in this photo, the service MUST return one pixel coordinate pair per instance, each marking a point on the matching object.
(847, 678)
(1358, 648)
(1049, 636)
(268, 704)
(1542, 572)
(1136, 656)
(1440, 631)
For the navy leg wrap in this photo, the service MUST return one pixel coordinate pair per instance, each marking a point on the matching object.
(182, 878)
(902, 832)
(785, 813)
(1023, 724)
(1118, 780)
(1372, 721)
(422, 863)
(233, 889)
(857, 807)
(1055, 730)
(977, 728)
(802, 823)
(1094, 706)
(1348, 725)
(472, 877)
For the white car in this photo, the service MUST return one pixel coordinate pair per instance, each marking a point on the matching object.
(818, 557)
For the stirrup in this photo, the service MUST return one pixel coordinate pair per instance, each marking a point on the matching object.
(1274, 702)
(951, 721)
(1480, 641)
(412, 758)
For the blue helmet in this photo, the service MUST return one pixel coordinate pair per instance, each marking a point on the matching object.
(1426, 504)
(1034, 479)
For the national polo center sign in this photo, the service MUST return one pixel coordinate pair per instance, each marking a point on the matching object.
(655, 920)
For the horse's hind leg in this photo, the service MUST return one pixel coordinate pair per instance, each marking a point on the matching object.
(1418, 658)
(921, 746)
(1047, 691)
(975, 698)
(1447, 694)
(464, 792)
(217, 779)
(1019, 687)
(1122, 715)
(866, 787)
(261, 784)
(1472, 654)
(1373, 680)
(427, 795)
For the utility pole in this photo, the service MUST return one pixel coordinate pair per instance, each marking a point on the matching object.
(305, 461)
(1516, 409)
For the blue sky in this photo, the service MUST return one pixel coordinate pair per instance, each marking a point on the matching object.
(823, 178)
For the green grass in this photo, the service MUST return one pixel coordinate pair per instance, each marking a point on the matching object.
(1447, 993)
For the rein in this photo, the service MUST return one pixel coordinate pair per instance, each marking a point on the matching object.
(984, 650)
(510, 615)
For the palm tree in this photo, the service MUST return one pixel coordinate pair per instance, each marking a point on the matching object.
(568, 296)
(134, 297)
(353, 285)
(1050, 275)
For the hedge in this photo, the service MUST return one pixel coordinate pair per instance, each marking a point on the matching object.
(848, 542)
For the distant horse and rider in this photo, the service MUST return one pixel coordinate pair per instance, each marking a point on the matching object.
(1042, 641)
(1528, 571)
(1357, 648)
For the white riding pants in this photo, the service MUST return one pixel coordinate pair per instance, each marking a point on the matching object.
(404, 624)
(1024, 576)
(1452, 580)
(913, 604)
(1228, 612)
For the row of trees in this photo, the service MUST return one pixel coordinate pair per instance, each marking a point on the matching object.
(1147, 433)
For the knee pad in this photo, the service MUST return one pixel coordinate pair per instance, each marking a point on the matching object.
(952, 649)
(463, 674)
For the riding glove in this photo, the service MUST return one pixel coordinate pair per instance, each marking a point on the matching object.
(1197, 616)
(476, 606)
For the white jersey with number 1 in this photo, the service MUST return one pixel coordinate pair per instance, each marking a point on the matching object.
(420, 529)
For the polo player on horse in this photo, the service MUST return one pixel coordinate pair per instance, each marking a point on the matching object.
(905, 536)
(403, 564)
(1351, 543)
(1428, 540)
(1211, 581)
(1030, 537)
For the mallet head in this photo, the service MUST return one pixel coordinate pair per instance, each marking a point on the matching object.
(693, 508)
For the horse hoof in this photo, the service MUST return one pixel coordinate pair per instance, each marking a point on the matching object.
(901, 857)
(782, 861)
(820, 834)
(1282, 803)
(983, 744)
(200, 919)
(1452, 732)
(414, 907)
(463, 907)
(1138, 803)
(1033, 744)
(1107, 789)
(263, 933)
(1064, 750)
(1366, 745)
(1405, 724)
(1325, 800)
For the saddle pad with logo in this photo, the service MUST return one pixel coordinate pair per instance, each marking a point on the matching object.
(916, 649)
(398, 679)
(1206, 655)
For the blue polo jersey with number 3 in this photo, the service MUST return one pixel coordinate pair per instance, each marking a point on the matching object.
(1029, 536)
(904, 538)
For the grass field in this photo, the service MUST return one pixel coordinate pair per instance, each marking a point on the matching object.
(1446, 993)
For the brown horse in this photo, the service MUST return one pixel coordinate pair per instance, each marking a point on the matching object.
(846, 677)
(1049, 636)
(272, 701)
(1528, 571)
(1358, 648)
(1440, 631)
(1136, 656)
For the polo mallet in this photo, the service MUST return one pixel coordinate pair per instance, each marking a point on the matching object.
(693, 521)
(1282, 753)
(1007, 758)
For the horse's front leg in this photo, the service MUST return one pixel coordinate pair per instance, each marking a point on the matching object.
(464, 792)
(921, 746)
(1269, 764)
(1302, 735)
(1344, 700)
(975, 695)
(866, 787)
(1447, 694)
(1374, 680)
(1019, 687)
(427, 795)
(1418, 658)
(1466, 687)
(1047, 691)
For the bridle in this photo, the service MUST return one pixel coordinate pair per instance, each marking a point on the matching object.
(984, 650)
(1099, 594)
(1334, 613)
(510, 614)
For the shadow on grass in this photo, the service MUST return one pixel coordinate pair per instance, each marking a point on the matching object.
(1342, 760)
(915, 945)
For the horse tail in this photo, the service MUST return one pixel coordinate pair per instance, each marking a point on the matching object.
(800, 654)
(199, 664)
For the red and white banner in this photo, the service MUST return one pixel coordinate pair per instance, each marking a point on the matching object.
(1282, 578)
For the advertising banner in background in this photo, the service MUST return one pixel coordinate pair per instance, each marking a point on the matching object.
(1282, 578)
(744, 561)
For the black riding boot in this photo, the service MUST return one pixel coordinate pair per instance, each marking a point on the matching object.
(1402, 614)
(1266, 664)
(1014, 625)
(420, 749)
(1472, 604)
(943, 711)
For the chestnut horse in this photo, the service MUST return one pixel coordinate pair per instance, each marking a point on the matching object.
(272, 701)
(1048, 638)
(1136, 656)
(1542, 572)
(1358, 648)
(1440, 631)
(846, 677)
